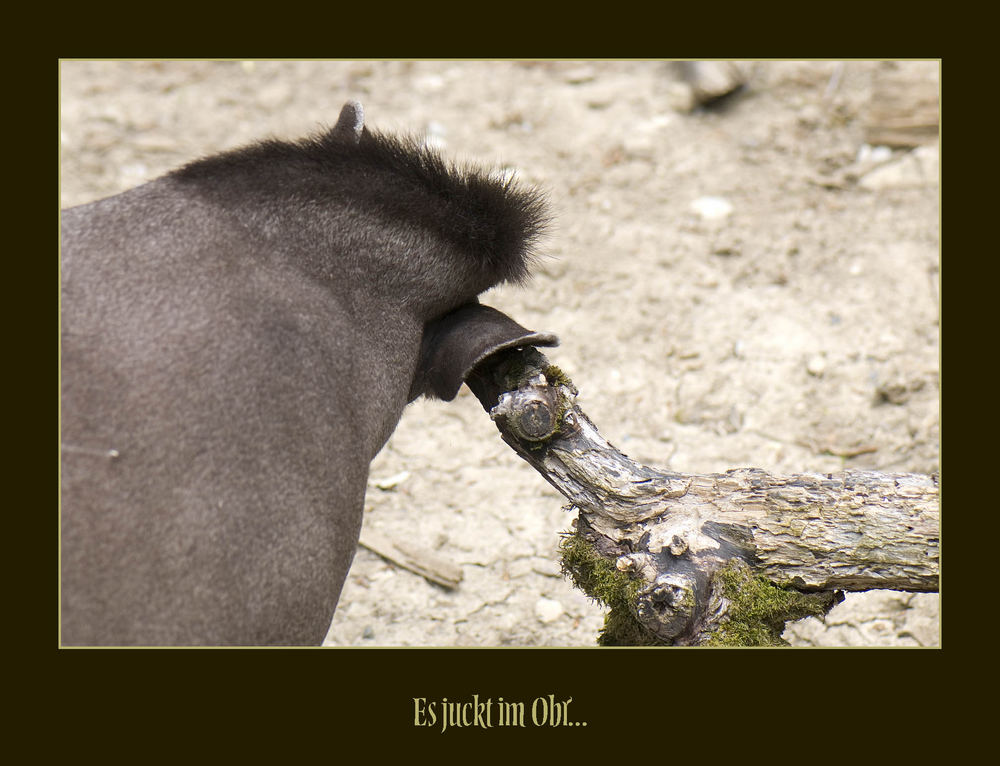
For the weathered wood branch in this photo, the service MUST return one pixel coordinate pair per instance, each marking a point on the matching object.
(905, 108)
(415, 558)
(717, 558)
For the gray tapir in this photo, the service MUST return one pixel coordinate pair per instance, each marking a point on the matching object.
(239, 339)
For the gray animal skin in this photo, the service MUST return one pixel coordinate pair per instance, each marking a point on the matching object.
(239, 339)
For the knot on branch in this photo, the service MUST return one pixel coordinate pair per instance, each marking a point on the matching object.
(667, 606)
(533, 412)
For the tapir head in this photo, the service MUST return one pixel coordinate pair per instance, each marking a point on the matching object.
(454, 344)
(385, 222)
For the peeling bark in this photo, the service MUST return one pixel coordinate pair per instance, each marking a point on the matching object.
(691, 548)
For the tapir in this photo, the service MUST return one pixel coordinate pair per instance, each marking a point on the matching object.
(239, 338)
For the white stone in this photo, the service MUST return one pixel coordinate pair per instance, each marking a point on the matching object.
(391, 482)
(881, 154)
(548, 610)
(429, 83)
(816, 365)
(914, 169)
(868, 154)
(712, 208)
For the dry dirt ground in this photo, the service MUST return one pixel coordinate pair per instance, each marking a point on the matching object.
(751, 286)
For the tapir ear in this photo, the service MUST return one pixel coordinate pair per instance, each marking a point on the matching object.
(457, 342)
(351, 122)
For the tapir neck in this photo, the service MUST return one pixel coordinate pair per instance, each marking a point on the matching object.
(349, 249)
(295, 306)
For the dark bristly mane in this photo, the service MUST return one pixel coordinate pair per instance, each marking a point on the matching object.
(395, 178)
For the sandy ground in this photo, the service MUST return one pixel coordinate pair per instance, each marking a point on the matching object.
(752, 286)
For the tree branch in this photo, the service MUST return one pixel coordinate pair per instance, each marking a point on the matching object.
(717, 558)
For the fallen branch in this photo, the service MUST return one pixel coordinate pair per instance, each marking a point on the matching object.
(708, 559)
(414, 558)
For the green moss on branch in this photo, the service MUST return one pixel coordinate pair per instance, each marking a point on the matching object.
(759, 609)
(598, 578)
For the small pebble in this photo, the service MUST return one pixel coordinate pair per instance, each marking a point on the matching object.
(430, 83)
(548, 610)
(873, 154)
(816, 365)
(393, 481)
(712, 208)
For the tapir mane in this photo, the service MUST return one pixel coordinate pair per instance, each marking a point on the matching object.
(491, 218)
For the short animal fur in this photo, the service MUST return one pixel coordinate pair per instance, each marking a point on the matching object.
(239, 339)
